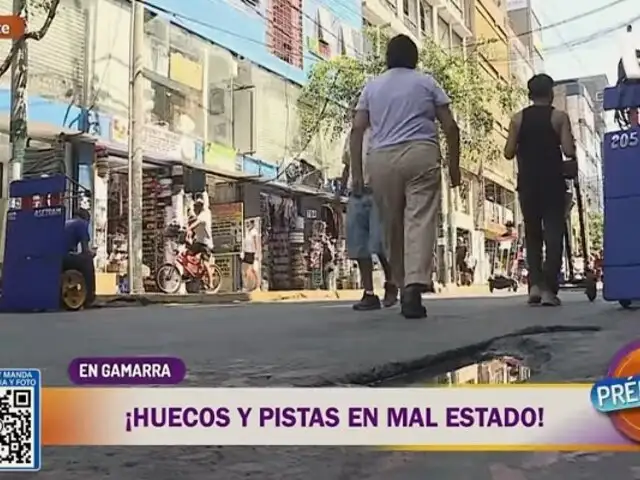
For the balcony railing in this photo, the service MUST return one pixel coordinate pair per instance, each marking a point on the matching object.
(496, 213)
(411, 25)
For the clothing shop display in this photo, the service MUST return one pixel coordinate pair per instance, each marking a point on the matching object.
(317, 254)
(279, 214)
(299, 256)
(153, 225)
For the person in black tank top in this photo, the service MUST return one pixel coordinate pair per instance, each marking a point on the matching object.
(538, 136)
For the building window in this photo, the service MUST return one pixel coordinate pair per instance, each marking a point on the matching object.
(444, 34)
(409, 8)
(323, 25)
(425, 18)
(342, 44)
(175, 110)
(465, 197)
(456, 41)
(391, 5)
(284, 30)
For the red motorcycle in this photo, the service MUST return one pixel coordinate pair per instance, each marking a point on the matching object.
(188, 268)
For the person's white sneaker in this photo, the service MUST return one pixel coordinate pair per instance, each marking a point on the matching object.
(535, 295)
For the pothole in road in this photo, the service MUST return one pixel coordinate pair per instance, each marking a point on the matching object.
(483, 369)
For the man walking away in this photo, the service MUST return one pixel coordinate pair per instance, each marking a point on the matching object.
(364, 235)
(539, 135)
(403, 163)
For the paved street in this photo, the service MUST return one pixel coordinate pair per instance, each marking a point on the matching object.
(324, 344)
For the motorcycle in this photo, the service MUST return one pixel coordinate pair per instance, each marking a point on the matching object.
(187, 268)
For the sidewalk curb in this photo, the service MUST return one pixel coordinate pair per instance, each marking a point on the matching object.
(111, 301)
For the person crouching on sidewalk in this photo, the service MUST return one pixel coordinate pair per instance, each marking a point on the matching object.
(364, 237)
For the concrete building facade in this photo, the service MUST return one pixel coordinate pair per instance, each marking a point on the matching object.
(216, 74)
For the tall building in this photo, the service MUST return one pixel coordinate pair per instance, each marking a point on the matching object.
(595, 85)
(526, 26)
(495, 198)
(574, 97)
(448, 22)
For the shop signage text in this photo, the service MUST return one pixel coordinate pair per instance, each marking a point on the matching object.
(220, 156)
(158, 140)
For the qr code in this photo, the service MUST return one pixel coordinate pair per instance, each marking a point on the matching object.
(17, 426)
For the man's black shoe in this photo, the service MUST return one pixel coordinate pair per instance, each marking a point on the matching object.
(390, 295)
(368, 301)
(412, 302)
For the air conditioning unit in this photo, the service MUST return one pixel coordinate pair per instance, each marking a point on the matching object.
(244, 77)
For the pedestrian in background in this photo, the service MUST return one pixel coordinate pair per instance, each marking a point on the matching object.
(403, 164)
(364, 234)
(538, 136)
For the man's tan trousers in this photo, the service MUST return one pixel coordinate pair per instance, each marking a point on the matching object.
(405, 180)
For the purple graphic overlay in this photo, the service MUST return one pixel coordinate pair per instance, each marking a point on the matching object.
(620, 356)
(127, 371)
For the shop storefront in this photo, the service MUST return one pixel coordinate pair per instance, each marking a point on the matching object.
(303, 242)
(301, 232)
(170, 187)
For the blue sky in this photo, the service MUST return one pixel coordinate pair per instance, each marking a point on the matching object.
(595, 57)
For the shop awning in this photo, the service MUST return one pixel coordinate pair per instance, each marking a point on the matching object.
(302, 190)
(45, 132)
(165, 161)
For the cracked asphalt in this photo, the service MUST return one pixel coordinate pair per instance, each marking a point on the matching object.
(326, 344)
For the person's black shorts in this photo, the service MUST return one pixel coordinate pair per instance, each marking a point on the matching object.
(200, 249)
(249, 258)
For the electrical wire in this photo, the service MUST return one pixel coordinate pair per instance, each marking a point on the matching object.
(327, 100)
(316, 127)
(112, 43)
(303, 14)
(556, 48)
(560, 23)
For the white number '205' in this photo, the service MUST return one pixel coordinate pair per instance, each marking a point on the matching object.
(624, 140)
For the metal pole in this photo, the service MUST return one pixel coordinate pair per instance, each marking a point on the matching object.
(136, 124)
(19, 77)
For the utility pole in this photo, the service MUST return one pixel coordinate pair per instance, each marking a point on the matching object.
(19, 77)
(136, 127)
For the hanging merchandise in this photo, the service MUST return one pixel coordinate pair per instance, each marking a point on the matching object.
(154, 202)
(279, 248)
(266, 230)
(318, 245)
(298, 256)
(117, 226)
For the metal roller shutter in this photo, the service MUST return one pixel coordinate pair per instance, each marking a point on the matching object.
(57, 63)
